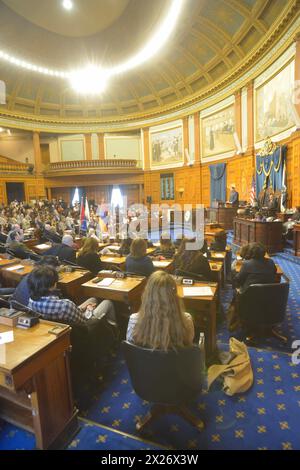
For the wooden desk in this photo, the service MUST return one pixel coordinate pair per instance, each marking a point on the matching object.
(118, 261)
(128, 291)
(31, 242)
(222, 215)
(217, 269)
(4, 262)
(12, 278)
(70, 284)
(164, 265)
(204, 314)
(296, 232)
(35, 386)
(41, 248)
(268, 233)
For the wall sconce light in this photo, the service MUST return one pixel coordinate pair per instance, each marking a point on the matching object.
(181, 191)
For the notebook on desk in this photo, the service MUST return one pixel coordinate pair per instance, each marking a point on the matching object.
(202, 291)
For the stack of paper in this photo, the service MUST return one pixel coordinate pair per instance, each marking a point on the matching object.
(15, 268)
(105, 282)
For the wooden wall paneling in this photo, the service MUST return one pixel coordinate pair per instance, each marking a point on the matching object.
(205, 184)
(294, 169)
(3, 196)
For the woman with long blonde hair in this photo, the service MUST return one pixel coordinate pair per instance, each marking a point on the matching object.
(161, 322)
(88, 256)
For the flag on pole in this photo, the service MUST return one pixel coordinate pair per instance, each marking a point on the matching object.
(87, 210)
(253, 191)
(83, 224)
(283, 190)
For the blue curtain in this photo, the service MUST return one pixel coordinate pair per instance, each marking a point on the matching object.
(218, 182)
(269, 170)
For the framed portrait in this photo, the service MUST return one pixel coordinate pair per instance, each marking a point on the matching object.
(217, 132)
(273, 113)
(166, 147)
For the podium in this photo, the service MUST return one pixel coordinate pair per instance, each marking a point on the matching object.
(222, 215)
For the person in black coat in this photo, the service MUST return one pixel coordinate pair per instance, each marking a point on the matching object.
(220, 241)
(50, 234)
(18, 249)
(88, 256)
(257, 269)
(64, 251)
(192, 261)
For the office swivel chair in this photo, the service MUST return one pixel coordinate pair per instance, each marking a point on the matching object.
(169, 380)
(261, 308)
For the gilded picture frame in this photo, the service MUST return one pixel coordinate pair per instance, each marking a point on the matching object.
(217, 131)
(166, 147)
(273, 113)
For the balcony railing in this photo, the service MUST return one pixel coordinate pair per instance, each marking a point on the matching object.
(78, 164)
(19, 168)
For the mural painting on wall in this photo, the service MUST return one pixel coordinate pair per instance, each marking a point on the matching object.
(217, 132)
(273, 104)
(166, 147)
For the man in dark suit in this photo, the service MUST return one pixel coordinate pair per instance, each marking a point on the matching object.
(18, 249)
(234, 196)
(65, 250)
(50, 234)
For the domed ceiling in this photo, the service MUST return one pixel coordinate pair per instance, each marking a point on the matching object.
(213, 42)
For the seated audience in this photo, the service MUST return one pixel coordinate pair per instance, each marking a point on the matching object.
(21, 293)
(138, 262)
(15, 229)
(18, 249)
(192, 261)
(88, 256)
(125, 246)
(161, 322)
(65, 250)
(166, 249)
(220, 241)
(257, 269)
(42, 282)
(92, 234)
(50, 234)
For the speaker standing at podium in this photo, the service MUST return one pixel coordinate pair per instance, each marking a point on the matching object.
(234, 196)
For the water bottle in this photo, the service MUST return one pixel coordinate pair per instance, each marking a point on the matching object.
(203, 362)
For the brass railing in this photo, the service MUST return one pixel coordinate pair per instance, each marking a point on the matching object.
(91, 164)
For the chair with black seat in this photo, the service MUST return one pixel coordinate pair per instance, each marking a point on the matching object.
(92, 342)
(169, 380)
(262, 307)
(3, 237)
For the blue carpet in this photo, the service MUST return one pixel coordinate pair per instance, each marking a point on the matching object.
(266, 417)
(96, 437)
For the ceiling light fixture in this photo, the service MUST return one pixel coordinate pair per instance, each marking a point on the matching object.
(67, 4)
(93, 79)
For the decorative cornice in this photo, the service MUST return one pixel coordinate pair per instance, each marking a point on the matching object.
(240, 76)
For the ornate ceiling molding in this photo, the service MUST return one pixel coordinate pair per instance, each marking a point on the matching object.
(273, 45)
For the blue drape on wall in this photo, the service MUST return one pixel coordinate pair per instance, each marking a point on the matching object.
(269, 170)
(218, 182)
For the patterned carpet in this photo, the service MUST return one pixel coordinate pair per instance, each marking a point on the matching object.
(266, 417)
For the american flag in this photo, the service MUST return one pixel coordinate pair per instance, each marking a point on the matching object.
(253, 191)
